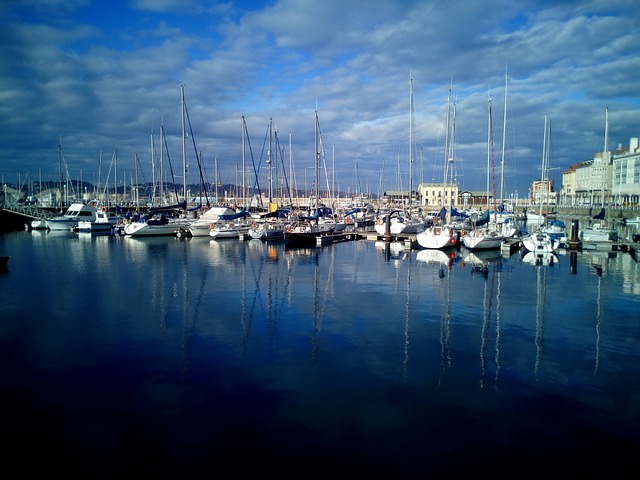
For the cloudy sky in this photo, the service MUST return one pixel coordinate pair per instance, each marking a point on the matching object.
(98, 76)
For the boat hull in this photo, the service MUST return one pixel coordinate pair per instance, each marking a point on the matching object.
(438, 238)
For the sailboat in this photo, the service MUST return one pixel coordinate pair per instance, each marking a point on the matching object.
(405, 222)
(269, 226)
(311, 228)
(441, 234)
(540, 240)
(164, 220)
(600, 231)
(488, 236)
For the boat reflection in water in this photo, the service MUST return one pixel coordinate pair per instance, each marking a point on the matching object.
(202, 356)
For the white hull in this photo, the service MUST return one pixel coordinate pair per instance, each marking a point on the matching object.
(89, 227)
(599, 233)
(202, 226)
(483, 239)
(199, 229)
(60, 224)
(400, 227)
(267, 232)
(143, 229)
(229, 231)
(105, 222)
(38, 225)
(75, 213)
(437, 238)
(540, 242)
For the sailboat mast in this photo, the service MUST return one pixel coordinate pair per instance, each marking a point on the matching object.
(410, 141)
(488, 151)
(449, 183)
(137, 184)
(162, 147)
(244, 187)
(317, 166)
(606, 150)
(543, 172)
(153, 170)
(115, 176)
(504, 138)
(446, 136)
(60, 174)
(269, 162)
(184, 144)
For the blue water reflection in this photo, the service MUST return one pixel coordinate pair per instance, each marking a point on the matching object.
(201, 357)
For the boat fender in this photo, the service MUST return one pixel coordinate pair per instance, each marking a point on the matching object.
(104, 209)
(210, 226)
(463, 232)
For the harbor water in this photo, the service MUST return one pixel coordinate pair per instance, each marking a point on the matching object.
(192, 357)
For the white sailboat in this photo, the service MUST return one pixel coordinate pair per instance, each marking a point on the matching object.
(601, 231)
(169, 220)
(268, 226)
(488, 236)
(441, 234)
(540, 240)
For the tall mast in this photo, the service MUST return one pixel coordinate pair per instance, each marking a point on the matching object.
(410, 141)
(184, 145)
(543, 173)
(605, 156)
(449, 184)
(504, 138)
(244, 191)
(447, 140)
(153, 171)
(162, 147)
(317, 166)
(115, 176)
(270, 163)
(488, 150)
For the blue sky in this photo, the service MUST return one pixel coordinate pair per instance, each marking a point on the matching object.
(102, 76)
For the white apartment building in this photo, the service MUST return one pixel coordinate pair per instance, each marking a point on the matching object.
(610, 178)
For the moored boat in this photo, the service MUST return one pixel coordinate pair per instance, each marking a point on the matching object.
(74, 214)
(540, 241)
(158, 225)
(105, 221)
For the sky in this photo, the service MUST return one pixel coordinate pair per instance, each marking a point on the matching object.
(101, 79)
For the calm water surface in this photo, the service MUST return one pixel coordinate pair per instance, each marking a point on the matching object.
(208, 358)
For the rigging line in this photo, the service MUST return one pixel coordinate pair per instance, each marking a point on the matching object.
(173, 178)
(195, 149)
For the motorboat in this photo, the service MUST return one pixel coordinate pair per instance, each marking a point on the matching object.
(105, 221)
(69, 220)
(201, 226)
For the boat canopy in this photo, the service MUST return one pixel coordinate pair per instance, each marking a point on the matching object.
(232, 216)
(320, 212)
